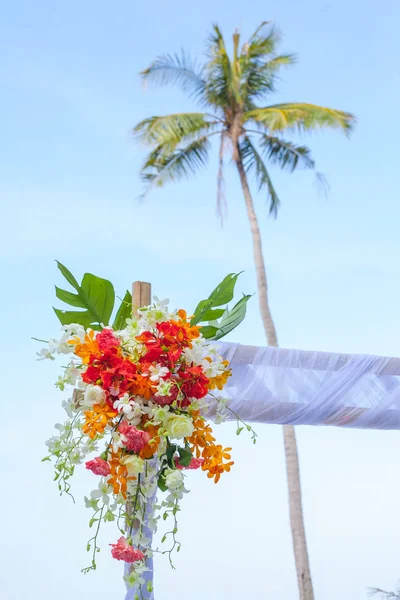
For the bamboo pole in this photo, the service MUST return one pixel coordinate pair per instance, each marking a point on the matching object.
(141, 295)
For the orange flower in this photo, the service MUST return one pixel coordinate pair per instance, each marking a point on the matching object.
(214, 457)
(118, 478)
(87, 348)
(97, 419)
(192, 331)
(220, 380)
(141, 386)
(201, 436)
(151, 448)
(203, 444)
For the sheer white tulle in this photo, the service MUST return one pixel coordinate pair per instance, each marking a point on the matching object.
(275, 385)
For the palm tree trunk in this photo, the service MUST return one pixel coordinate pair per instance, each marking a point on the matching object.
(291, 453)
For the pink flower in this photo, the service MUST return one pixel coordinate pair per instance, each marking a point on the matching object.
(122, 550)
(134, 439)
(107, 340)
(98, 466)
(195, 463)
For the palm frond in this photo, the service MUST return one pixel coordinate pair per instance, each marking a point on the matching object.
(259, 77)
(171, 130)
(301, 117)
(260, 44)
(254, 163)
(161, 167)
(220, 89)
(286, 154)
(178, 69)
(260, 63)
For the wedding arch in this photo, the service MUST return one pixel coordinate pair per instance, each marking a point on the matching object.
(149, 384)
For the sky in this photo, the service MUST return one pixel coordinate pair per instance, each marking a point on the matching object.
(69, 97)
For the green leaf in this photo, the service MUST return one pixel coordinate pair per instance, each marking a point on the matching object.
(95, 294)
(222, 294)
(69, 298)
(161, 482)
(213, 314)
(100, 297)
(209, 332)
(68, 276)
(171, 449)
(83, 318)
(232, 318)
(185, 456)
(124, 312)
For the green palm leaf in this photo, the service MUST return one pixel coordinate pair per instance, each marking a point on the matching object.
(301, 117)
(254, 164)
(285, 154)
(171, 130)
(178, 69)
(160, 167)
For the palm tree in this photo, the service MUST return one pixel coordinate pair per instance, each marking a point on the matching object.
(230, 90)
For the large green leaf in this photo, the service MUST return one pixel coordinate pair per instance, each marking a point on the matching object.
(95, 295)
(124, 312)
(232, 318)
(222, 294)
(209, 332)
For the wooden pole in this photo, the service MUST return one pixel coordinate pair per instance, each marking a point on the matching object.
(141, 295)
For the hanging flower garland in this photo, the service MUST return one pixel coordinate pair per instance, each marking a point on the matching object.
(136, 420)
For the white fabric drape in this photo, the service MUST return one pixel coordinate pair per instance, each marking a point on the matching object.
(275, 385)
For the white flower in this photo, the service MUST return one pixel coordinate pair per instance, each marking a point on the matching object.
(69, 407)
(158, 372)
(45, 353)
(179, 426)
(116, 441)
(173, 479)
(103, 492)
(133, 463)
(222, 412)
(131, 409)
(134, 577)
(164, 387)
(159, 414)
(197, 353)
(94, 394)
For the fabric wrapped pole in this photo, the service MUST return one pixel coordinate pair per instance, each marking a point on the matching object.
(296, 387)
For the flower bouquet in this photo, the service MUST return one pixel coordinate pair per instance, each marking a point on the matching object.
(141, 388)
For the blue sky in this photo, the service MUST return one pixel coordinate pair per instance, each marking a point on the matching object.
(69, 95)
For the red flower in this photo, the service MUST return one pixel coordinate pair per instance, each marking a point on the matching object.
(195, 463)
(106, 340)
(122, 550)
(134, 439)
(91, 375)
(98, 466)
(195, 382)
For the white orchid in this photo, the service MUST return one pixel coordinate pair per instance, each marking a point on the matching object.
(102, 493)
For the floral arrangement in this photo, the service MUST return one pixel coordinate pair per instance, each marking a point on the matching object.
(137, 420)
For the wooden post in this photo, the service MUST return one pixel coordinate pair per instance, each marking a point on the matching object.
(141, 296)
